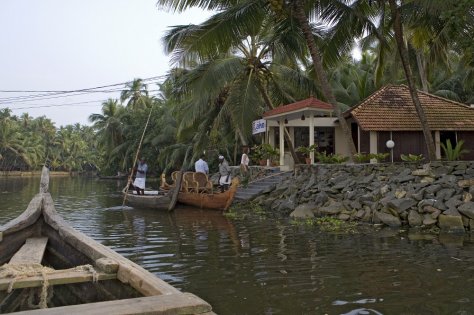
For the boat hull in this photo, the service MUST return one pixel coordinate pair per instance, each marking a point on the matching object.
(88, 277)
(159, 202)
(215, 201)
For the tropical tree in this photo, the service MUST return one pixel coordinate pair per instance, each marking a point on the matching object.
(135, 95)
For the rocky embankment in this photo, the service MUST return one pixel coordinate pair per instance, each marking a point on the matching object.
(435, 194)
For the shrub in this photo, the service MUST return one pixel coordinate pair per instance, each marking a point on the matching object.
(412, 157)
(453, 154)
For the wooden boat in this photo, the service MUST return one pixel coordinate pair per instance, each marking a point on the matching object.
(45, 262)
(156, 199)
(199, 192)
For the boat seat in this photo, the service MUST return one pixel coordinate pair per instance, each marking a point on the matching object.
(31, 252)
(204, 185)
(164, 184)
(189, 184)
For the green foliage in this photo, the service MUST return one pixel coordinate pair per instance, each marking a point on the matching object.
(453, 154)
(379, 157)
(306, 150)
(264, 151)
(362, 157)
(327, 224)
(412, 157)
(331, 224)
(332, 158)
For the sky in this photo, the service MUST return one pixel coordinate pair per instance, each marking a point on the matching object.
(57, 45)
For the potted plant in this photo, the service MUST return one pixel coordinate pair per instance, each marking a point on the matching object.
(270, 153)
(306, 151)
(263, 152)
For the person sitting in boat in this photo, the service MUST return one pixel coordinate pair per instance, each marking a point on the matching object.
(224, 174)
(201, 166)
(140, 177)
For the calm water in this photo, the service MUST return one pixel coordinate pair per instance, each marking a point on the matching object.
(266, 266)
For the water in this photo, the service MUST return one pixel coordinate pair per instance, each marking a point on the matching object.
(262, 266)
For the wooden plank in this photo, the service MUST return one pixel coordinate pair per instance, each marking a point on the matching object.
(173, 304)
(56, 278)
(31, 252)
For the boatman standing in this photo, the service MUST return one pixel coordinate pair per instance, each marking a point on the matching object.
(201, 166)
(140, 177)
(224, 173)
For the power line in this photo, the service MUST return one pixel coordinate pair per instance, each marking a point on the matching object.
(55, 94)
(33, 106)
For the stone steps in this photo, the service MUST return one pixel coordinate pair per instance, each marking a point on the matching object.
(260, 185)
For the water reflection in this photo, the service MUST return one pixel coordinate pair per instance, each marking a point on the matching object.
(261, 266)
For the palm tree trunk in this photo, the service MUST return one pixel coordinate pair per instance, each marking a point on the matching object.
(286, 135)
(403, 52)
(323, 81)
(422, 71)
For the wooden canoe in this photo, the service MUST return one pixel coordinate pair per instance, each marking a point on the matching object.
(69, 273)
(216, 200)
(159, 200)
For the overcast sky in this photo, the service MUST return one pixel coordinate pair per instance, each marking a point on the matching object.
(77, 44)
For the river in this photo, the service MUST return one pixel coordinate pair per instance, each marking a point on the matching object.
(267, 266)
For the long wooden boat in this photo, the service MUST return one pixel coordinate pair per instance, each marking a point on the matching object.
(156, 199)
(210, 200)
(44, 262)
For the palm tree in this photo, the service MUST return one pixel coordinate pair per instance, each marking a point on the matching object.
(137, 95)
(403, 52)
(243, 75)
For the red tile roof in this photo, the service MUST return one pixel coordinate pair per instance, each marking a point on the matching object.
(391, 108)
(309, 103)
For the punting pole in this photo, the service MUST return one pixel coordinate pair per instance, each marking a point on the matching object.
(129, 181)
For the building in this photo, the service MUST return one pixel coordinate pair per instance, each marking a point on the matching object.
(388, 114)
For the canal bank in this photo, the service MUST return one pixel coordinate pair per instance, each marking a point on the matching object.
(436, 195)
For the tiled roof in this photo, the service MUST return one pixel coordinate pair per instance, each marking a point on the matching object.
(309, 103)
(391, 108)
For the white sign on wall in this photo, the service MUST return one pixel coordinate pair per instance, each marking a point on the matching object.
(259, 126)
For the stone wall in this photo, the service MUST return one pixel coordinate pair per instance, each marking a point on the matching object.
(438, 194)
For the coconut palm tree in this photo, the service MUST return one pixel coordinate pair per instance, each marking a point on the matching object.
(237, 67)
(136, 95)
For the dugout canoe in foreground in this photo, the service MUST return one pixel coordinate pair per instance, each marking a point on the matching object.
(47, 267)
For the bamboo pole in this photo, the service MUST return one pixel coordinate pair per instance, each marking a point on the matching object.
(129, 181)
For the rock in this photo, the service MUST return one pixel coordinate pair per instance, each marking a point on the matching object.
(445, 193)
(303, 211)
(429, 209)
(332, 209)
(400, 193)
(388, 219)
(467, 209)
(344, 216)
(432, 189)
(427, 179)
(401, 204)
(453, 202)
(428, 220)
(321, 198)
(423, 172)
(442, 170)
(451, 223)
(414, 218)
(466, 196)
(466, 182)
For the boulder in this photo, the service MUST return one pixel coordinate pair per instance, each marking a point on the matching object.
(401, 204)
(414, 218)
(303, 211)
(451, 223)
(467, 209)
(388, 219)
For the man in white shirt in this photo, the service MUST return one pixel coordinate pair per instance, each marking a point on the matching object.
(201, 165)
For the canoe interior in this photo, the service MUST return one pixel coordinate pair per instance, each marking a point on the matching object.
(58, 255)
